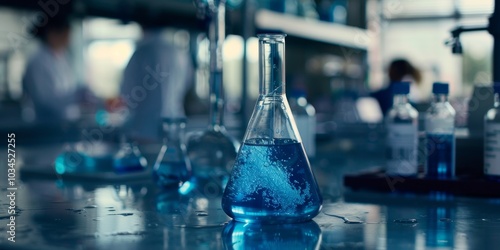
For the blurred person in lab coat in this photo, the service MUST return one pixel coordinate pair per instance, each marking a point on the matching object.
(49, 85)
(399, 70)
(154, 84)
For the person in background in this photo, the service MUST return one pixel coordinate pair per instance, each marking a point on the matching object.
(154, 85)
(49, 85)
(399, 70)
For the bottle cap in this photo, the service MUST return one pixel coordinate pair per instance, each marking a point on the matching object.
(496, 87)
(440, 88)
(400, 88)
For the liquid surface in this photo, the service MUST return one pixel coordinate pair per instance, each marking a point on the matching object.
(130, 163)
(440, 155)
(272, 183)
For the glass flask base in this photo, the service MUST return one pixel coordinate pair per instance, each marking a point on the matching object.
(169, 175)
(272, 184)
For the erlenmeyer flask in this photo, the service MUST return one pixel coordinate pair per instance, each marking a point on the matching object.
(271, 180)
(129, 158)
(212, 152)
(172, 167)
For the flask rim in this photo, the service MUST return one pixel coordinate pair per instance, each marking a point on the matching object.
(271, 36)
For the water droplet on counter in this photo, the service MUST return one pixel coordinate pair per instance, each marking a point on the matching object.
(406, 221)
(346, 220)
(202, 214)
(140, 233)
(90, 206)
(96, 219)
(111, 210)
(123, 214)
(446, 220)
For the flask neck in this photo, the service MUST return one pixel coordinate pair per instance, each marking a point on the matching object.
(272, 64)
(173, 132)
(216, 35)
(400, 99)
(440, 98)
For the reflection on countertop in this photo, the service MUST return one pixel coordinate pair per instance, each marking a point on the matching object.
(58, 213)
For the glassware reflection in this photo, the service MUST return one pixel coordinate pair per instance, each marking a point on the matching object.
(237, 235)
(440, 231)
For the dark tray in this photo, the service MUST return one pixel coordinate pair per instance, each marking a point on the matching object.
(377, 180)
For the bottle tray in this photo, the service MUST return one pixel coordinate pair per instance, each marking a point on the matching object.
(377, 180)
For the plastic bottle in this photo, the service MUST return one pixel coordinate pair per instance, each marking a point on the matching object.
(305, 118)
(492, 138)
(271, 180)
(402, 134)
(440, 135)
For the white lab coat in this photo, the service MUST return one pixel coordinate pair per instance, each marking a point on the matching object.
(50, 87)
(154, 85)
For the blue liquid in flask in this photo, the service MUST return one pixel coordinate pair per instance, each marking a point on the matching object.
(272, 183)
(440, 155)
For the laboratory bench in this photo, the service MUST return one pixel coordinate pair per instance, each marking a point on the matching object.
(55, 212)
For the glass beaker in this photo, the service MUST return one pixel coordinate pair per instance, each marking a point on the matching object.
(212, 152)
(271, 180)
(172, 167)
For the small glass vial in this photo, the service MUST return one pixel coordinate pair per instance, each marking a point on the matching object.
(440, 135)
(172, 167)
(402, 133)
(492, 138)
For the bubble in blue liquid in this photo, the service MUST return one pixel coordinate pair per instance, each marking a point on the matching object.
(272, 183)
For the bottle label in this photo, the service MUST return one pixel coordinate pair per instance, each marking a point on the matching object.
(440, 125)
(492, 149)
(402, 144)
(307, 129)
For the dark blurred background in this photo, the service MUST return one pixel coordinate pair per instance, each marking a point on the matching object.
(338, 49)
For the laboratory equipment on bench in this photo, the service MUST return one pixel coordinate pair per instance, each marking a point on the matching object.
(172, 167)
(271, 180)
(129, 158)
(402, 133)
(440, 133)
(492, 138)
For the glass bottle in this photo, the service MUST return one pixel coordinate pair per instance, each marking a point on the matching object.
(271, 180)
(172, 167)
(440, 134)
(305, 118)
(128, 158)
(402, 133)
(212, 152)
(492, 138)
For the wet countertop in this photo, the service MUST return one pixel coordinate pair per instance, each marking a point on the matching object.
(59, 214)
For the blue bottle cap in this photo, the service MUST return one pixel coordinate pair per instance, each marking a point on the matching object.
(440, 88)
(496, 87)
(401, 88)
